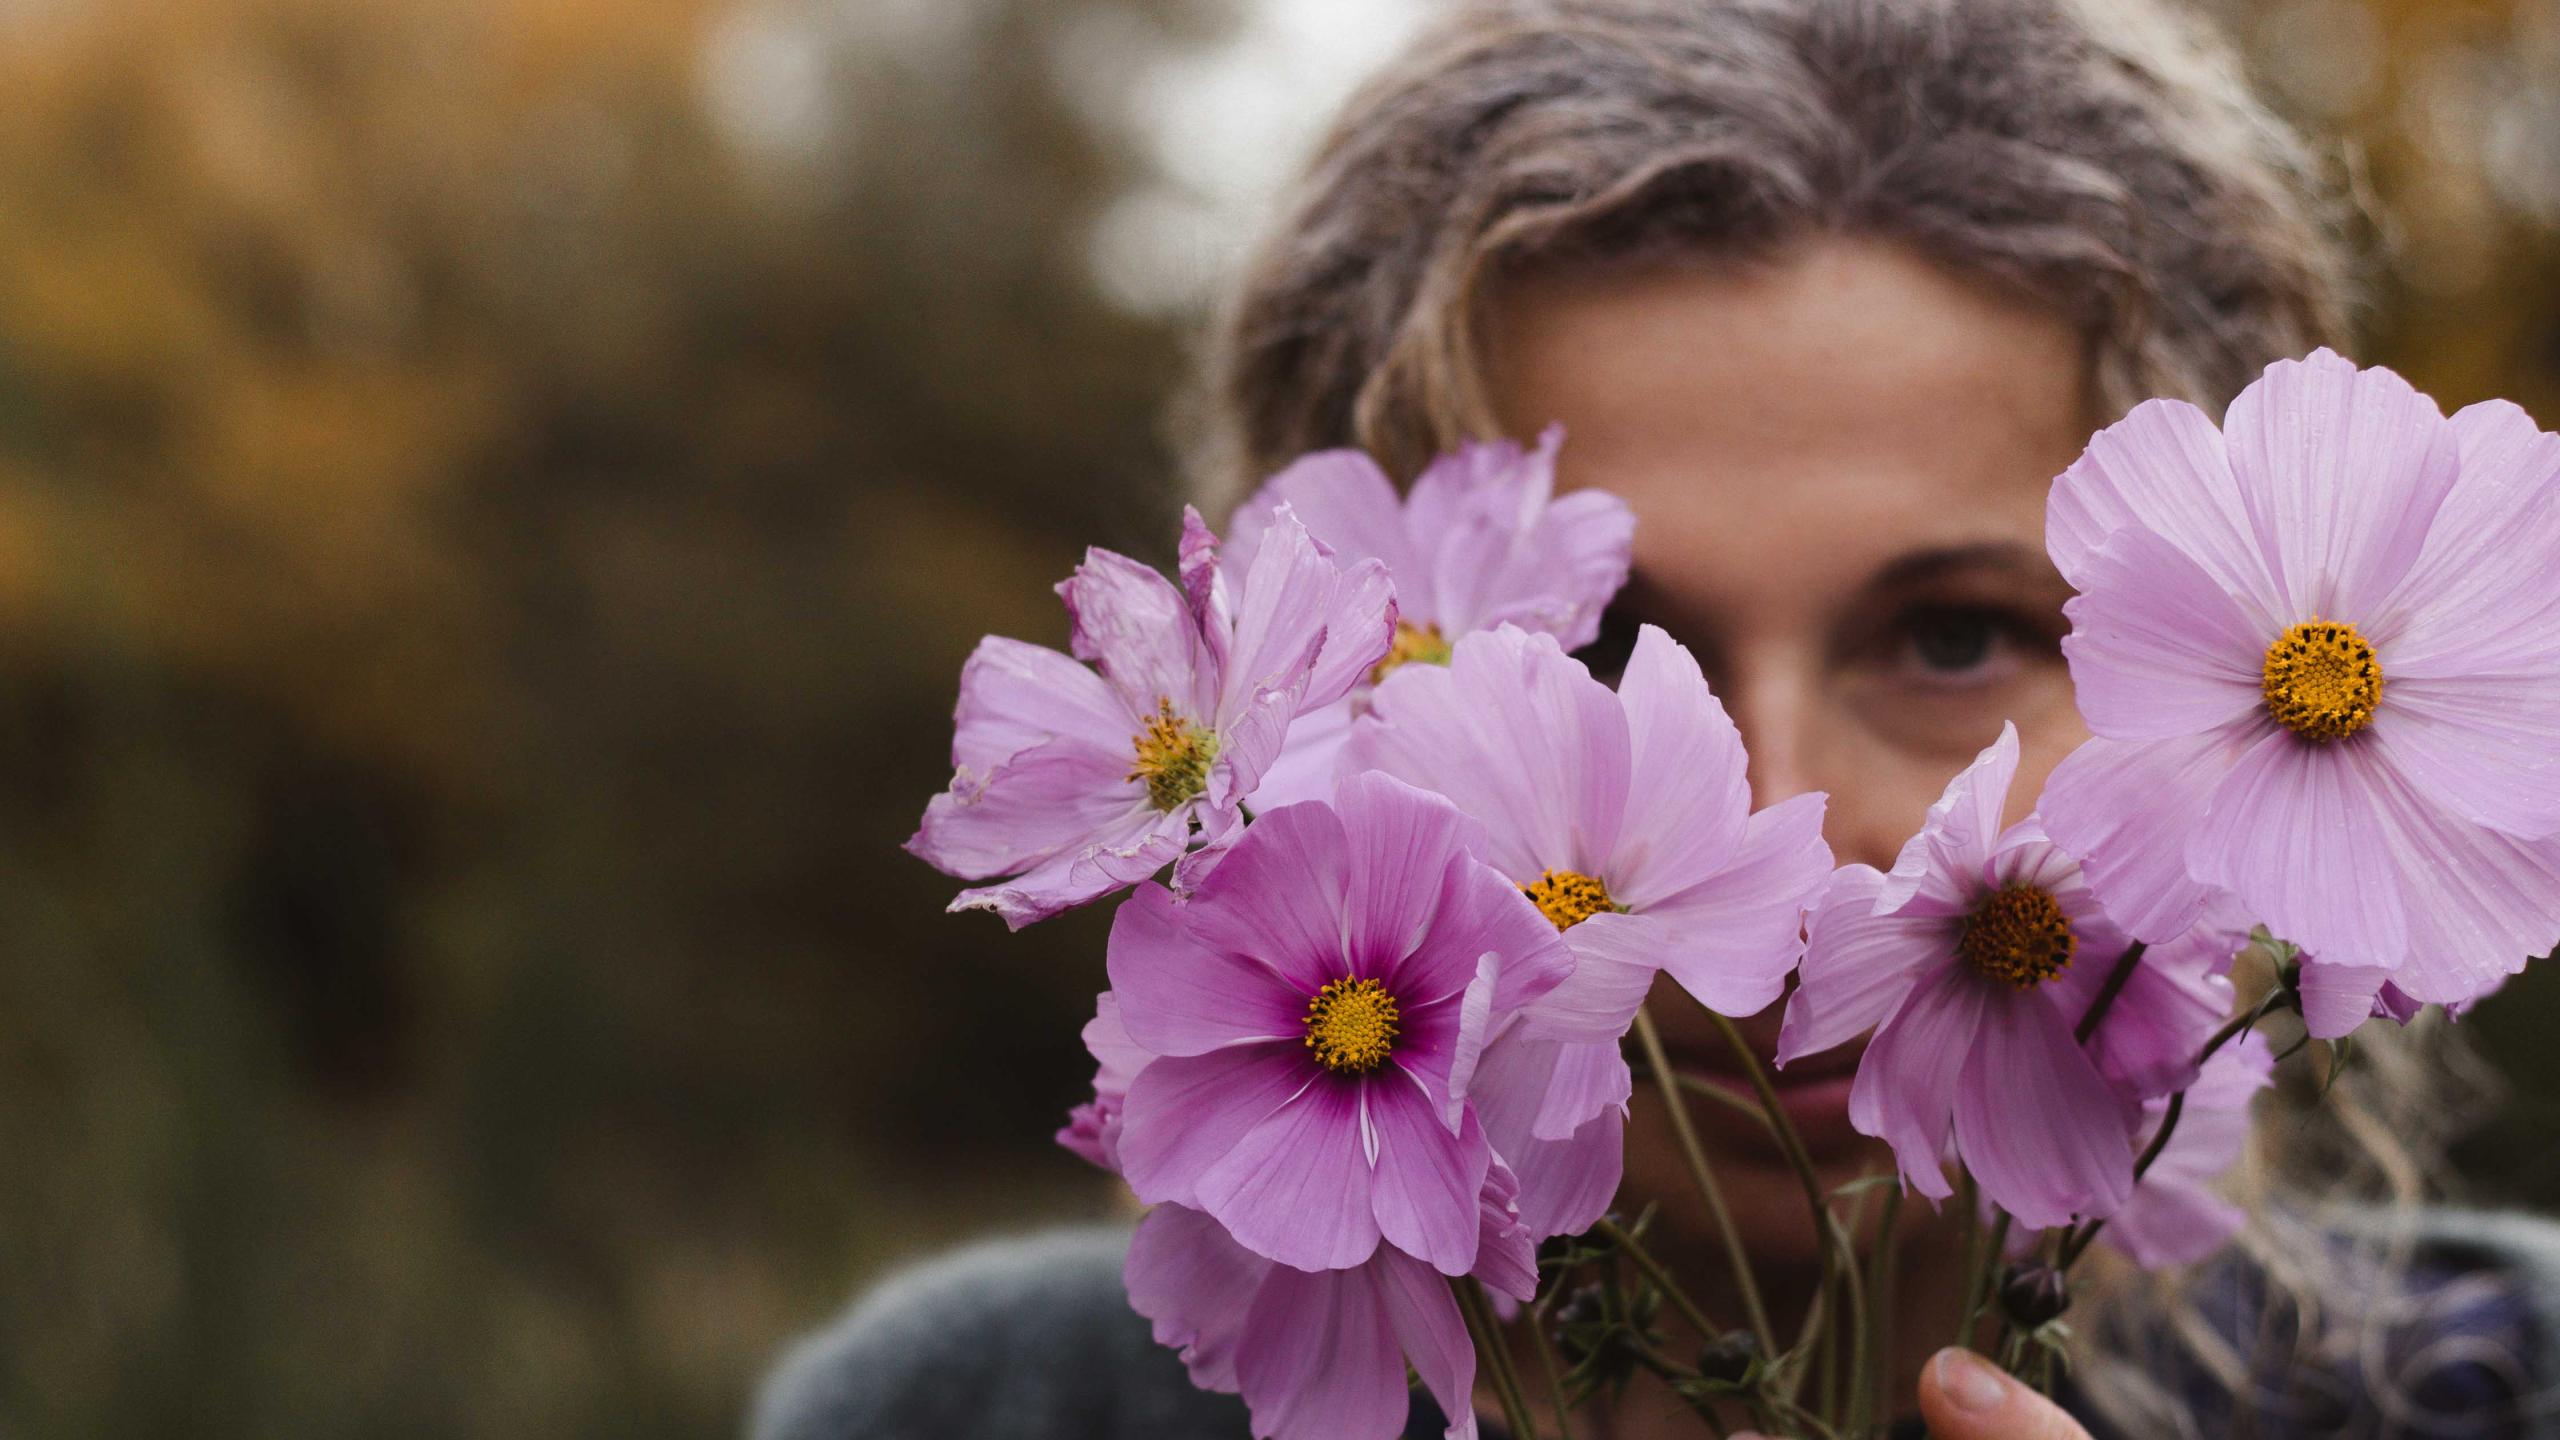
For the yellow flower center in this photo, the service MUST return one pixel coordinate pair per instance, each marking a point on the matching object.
(2018, 935)
(1568, 897)
(2322, 681)
(1351, 1026)
(1412, 643)
(1173, 758)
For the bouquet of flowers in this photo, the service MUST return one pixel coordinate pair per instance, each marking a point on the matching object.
(1401, 873)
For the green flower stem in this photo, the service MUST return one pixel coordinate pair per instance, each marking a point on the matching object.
(1634, 1250)
(1696, 1154)
(1494, 1355)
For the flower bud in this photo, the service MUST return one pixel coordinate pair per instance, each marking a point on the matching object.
(1729, 1358)
(2033, 1296)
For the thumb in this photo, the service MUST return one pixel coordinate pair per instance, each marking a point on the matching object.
(1965, 1397)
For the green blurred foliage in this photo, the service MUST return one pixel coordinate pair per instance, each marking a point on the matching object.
(487, 537)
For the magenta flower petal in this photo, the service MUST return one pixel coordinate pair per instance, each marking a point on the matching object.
(1688, 799)
(1741, 930)
(1857, 967)
(2293, 830)
(2125, 809)
(2161, 468)
(1905, 1090)
(1426, 1178)
(2036, 1123)
(1131, 623)
(1093, 1128)
(2157, 648)
(2173, 1217)
(1390, 903)
(1424, 1318)
(1193, 1281)
(1185, 998)
(2178, 992)
(1297, 1187)
(1566, 1185)
(1320, 1359)
(1274, 896)
(1185, 1113)
(2341, 471)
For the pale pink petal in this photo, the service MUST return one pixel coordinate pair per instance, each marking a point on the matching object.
(1351, 508)
(1566, 1185)
(1944, 863)
(2294, 832)
(2486, 746)
(2338, 998)
(1310, 758)
(1688, 799)
(1905, 1091)
(1253, 738)
(1189, 1277)
(1615, 958)
(2173, 1224)
(2341, 471)
(1583, 547)
(1014, 696)
(2125, 809)
(1280, 612)
(1741, 930)
(2173, 1218)
(1143, 843)
(2157, 648)
(2161, 468)
(2177, 993)
(1520, 737)
(1424, 1318)
(1130, 621)
(1423, 1194)
(1507, 1255)
(2480, 903)
(2506, 504)
(1296, 1187)
(1359, 628)
(1473, 515)
(1054, 798)
(1206, 591)
(1319, 1359)
(1186, 1112)
(1858, 965)
(1179, 997)
(2036, 1124)
(1587, 1081)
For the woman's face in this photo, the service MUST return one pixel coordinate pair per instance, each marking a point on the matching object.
(1838, 462)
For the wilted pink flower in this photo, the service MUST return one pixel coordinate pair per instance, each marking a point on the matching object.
(1322, 1355)
(1317, 1008)
(1974, 961)
(1481, 541)
(1076, 784)
(1627, 817)
(2174, 1217)
(2320, 649)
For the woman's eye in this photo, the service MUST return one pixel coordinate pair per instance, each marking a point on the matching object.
(1959, 644)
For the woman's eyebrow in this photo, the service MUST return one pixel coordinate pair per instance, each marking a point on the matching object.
(1920, 566)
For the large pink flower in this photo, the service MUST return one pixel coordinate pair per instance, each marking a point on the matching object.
(1481, 541)
(1075, 784)
(1317, 1008)
(1322, 1355)
(2320, 649)
(1974, 962)
(1627, 817)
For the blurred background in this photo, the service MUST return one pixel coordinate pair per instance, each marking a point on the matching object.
(494, 495)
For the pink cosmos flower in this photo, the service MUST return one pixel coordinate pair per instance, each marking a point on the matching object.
(1974, 961)
(1627, 817)
(1317, 1009)
(2174, 1217)
(2320, 650)
(1075, 784)
(1481, 541)
(1322, 1355)
(1093, 1128)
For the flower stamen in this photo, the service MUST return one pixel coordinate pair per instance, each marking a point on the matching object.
(1568, 897)
(1351, 1026)
(2019, 936)
(1413, 644)
(1173, 758)
(2322, 681)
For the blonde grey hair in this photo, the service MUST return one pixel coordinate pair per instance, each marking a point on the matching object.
(2100, 157)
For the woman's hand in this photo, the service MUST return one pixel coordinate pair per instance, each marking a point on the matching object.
(1965, 1397)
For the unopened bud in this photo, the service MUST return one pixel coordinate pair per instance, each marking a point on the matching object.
(1729, 1357)
(2034, 1296)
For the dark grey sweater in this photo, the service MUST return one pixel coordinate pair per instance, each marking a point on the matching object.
(1033, 1339)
